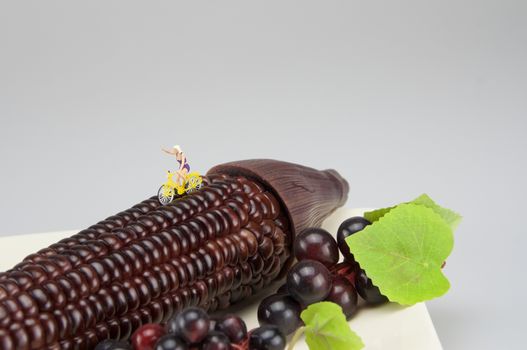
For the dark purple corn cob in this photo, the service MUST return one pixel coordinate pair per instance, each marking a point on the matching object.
(211, 248)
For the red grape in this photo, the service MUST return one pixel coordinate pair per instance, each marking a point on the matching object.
(267, 338)
(316, 244)
(344, 294)
(170, 342)
(367, 290)
(145, 337)
(346, 229)
(282, 311)
(216, 341)
(192, 325)
(233, 327)
(309, 282)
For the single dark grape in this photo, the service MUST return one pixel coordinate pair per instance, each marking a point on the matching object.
(344, 294)
(367, 290)
(233, 327)
(267, 338)
(309, 282)
(346, 229)
(280, 310)
(191, 324)
(145, 337)
(111, 344)
(170, 342)
(316, 244)
(216, 341)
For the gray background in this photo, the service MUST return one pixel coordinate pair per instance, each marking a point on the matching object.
(401, 97)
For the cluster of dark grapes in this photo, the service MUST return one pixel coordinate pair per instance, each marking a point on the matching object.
(318, 276)
(193, 328)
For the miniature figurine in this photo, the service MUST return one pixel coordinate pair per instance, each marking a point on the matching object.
(184, 166)
(186, 181)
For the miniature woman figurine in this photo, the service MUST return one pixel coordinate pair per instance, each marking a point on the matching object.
(184, 167)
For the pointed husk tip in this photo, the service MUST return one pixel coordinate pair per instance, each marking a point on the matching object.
(309, 196)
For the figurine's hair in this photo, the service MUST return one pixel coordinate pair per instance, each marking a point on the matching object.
(177, 148)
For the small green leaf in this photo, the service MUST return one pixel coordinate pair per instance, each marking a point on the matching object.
(326, 328)
(376, 214)
(402, 252)
(450, 216)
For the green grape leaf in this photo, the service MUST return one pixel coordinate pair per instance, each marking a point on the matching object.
(376, 214)
(450, 216)
(326, 328)
(402, 253)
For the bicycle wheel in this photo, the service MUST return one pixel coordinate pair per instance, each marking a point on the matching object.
(165, 194)
(194, 182)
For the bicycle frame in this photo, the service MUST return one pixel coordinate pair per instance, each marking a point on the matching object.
(173, 185)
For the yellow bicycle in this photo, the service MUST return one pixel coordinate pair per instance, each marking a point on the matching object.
(170, 189)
